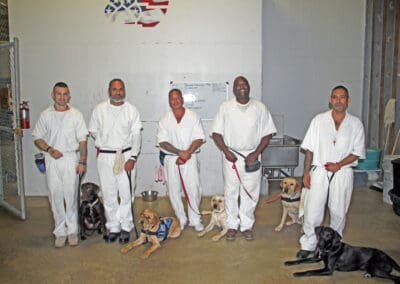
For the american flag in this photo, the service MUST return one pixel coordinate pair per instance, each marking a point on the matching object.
(146, 13)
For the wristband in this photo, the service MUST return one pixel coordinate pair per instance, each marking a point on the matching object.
(47, 149)
(82, 163)
(133, 158)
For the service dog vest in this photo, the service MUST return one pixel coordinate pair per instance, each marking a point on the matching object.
(163, 229)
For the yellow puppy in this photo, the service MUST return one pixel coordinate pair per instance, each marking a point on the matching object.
(290, 198)
(218, 217)
(154, 230)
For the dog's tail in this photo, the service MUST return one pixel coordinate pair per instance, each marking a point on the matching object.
(272, 199)
(394, 264)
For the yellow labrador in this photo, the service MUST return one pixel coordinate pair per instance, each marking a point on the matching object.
(218, 217)
(290, 199)
(155, 230)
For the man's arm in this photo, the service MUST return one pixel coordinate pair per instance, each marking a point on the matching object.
(42, 145)
(307, 167)
(81, 168)
(253, 156)
(219, 141)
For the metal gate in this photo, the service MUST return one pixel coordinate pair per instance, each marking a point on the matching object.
(12, 191)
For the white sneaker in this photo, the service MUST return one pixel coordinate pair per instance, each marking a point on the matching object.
(199, 227)
(60, 241)
(73, 239)
(182, 222)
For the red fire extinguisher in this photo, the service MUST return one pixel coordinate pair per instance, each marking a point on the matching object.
(24, 115)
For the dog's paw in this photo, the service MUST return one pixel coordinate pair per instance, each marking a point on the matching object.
(216, 238)
(83, 237)
(145, 256)
(278, 228)
(289, 223)
(201, 234)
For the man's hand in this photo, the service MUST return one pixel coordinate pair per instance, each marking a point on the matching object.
(185, 155)
(332, 167)
(231, 157)
(55, 153)
(180, 161)
(129, 165)
(80, 169)
(251, 158)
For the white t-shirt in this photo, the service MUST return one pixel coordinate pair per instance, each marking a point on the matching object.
(61, 130)
(331, 145)
(114, 127)
(180, 135)
(243, 126)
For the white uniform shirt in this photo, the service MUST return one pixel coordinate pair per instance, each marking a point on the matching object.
(116, 127)
(243, 126)
(62, 130)
(180, 135)
(331, 145)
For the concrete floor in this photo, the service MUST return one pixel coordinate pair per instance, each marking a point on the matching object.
(27, 254)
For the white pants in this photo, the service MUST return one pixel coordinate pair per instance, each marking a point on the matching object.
(340, 191)
(61, 180)
(118, 214)
(240, 216)
(190, 175)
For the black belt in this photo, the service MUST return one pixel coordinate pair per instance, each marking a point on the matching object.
(114, 151)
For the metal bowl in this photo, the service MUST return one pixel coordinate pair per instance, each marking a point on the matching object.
(149, 195)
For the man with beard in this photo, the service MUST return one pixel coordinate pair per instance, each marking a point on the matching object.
(333, 143)
(115, 125)
(242, 125)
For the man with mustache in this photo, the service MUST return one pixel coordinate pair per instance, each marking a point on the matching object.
(244, 125)
(333, 143)
(116, 126)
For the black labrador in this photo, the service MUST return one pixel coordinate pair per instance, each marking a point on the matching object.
(339, 256)
(91, 211)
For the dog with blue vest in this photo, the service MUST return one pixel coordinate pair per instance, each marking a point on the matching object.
(155, 230)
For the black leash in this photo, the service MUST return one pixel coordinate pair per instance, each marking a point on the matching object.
(79, 202)
(128, 173)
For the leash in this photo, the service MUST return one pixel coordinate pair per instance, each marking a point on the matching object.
(272, 199)
(128, 173)
(240, 180)
(79, 202)
(185, 192)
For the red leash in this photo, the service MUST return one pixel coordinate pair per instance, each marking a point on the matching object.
(185, 192)
(272, 199)
(240, 180)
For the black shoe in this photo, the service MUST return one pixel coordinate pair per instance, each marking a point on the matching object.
(111, 238)
(124, 237)
(302, 254)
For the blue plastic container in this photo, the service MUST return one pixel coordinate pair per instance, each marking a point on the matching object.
(371, 161)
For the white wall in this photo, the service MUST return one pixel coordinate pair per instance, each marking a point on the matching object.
(73, 41)
(308, 48)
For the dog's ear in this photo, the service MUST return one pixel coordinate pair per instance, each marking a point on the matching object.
(155, 219)
(297, 185)
(281, 184)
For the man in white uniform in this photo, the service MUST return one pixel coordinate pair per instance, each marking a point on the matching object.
(180, 134)
(61, 132)
(245, 125)
(116, 127)
(333, 143)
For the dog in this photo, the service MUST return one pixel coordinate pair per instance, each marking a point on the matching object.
(290, 199)
(155, 230)
(91, 211)
(340, 256)
(218, 218)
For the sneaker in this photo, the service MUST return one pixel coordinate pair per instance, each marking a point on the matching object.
(248, 235)
(73, 239)
(112, 237)
(302, 254)
(124, 237)
(231, 235)
(60, 241)
(182, 222)
(198, 227)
